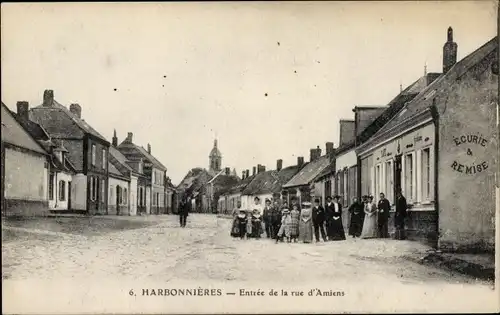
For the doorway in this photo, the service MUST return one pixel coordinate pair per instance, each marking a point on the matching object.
(397, 174)
(69, 195)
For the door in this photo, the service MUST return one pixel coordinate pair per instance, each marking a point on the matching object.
(118, 198)
(397, 174)
(69, 195)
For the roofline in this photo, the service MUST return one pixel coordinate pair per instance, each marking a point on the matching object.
(45, 152)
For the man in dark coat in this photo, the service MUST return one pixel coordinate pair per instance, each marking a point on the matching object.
(318, 217)
(357, 217)
(266, 216)
(333, 211)
(384, 206)
(399, 219)
(183, 212)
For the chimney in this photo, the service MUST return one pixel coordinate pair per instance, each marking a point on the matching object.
(254, 170)
(300, 161)
(243, 174)
(130, 135)
(76, 110)
(315, 154)
(228, 171)
(22, 109)
(329, 148)
(449, 52)
(115, 139)
(279, 165)
(48, 98)
(247, 174)
(149, 148)
(261, 168)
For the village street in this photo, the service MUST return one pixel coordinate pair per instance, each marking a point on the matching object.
(161, 250)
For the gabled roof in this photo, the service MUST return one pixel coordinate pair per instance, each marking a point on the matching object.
(309, 172)
(241, 185)
(130, 149)
(395, 106)
(194, 180)
(330, 169)
(15, 133)
(418, 104)
(270, 182)
(56, 113)
(418, 108)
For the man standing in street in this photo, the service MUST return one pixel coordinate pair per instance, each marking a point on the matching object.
(318, 217)
(267, 216)
(399, 219)
(183, 212)
(384, 206)
(275, 219)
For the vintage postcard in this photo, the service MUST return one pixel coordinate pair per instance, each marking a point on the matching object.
(250, 157)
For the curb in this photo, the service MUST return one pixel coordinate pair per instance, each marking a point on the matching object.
(477, 271)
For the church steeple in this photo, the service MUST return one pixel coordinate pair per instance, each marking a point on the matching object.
(215, 158)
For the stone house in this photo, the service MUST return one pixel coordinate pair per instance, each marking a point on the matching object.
(87, 151)
(441, 150)
(154, 170)
(61, 170)
(303, 185)
(269, 184)
(25, 169)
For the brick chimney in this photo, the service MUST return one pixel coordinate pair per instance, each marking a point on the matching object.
(130, 137)
(254, 170)
(22, 109)
(247, 173)
(329, 148)
(279, 165)
(228, 171)
(449, 52)
(300, 161)
(76, 110)
(149, 148)
(48, 98)
(261, 168)
(115, 139)
(315, 154)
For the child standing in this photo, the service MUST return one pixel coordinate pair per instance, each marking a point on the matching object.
(286, 222)
(242, 223)
(294, 227)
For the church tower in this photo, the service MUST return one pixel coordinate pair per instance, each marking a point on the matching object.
(215, 158)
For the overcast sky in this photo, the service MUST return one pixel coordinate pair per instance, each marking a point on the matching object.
(185, 72)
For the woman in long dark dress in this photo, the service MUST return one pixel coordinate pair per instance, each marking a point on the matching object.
(335, 228)
(357, 216)
(235, 229)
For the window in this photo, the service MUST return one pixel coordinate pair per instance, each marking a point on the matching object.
(409, 177)
(125, 196)
(104, 159)
(378, 186)
(93, 188)
(426, 174)
(103, 189)
(51, 187)
(154, 199)
(341, 184)
(141, 196)
(328, 188)
(389, 184)
(346, 187)
(62, 190)
(93, 154)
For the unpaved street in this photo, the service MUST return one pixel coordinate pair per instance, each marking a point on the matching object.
(205, 251)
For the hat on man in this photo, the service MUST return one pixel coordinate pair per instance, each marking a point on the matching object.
(306, 204)
(329, 198)
(268, 200)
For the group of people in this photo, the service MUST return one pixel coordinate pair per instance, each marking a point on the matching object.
(300, 223)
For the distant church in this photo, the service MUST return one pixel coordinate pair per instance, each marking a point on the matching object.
(215, 159)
